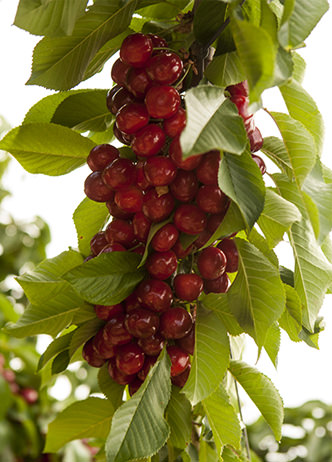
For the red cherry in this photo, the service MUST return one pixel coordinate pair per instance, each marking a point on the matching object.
(30, 395)
(117, 375)
(175, 153)
(120, 231)
(122, 137)
(90, 355)
(181, 379)
(175, 323)
(187, 343)
(110, 95)
(102, 155)
(120, 174)
(157, 207)
(162, 101)
(165, 238)
(179, 360)
(256, 140)
(102, 347)
(148, 141)
(106, 312)
(164, 68)
(211, 263)
(185, 186)
(174, 125)
(119, 72)
(148, 363)
(134, 386)
(139, 249)
(241, 89)
(161, 265)
(132, 117)
(155, 295)
(242, 103)
(203, 238)
(152, 346)
(229, 248)
(115, 331)
(119, 99)
(98, 242)
(142, 323)
(116, 212)
(129, 199)
(115, 247)
(141, 225)
(189, 219)
(141, 180)
(211, 199)
(219, 285)
(214, 221)
(188, 287)
(95, 188)
(157, 42)
(132, 302)
(260, 162)
(180, 252)
(138, 82)
(136, 49)
(207, 173)
(159, 170)
(129, 358)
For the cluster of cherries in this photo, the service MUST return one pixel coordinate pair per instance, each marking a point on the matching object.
(30, 395)
(158, 186)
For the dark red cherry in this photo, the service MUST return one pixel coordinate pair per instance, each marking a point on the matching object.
(211, 263)
(239, 89)
(102, 347)
(139, 249)
(142, 323)
(242, 104)
(159, 170)
(260, 162)
(219, 285)
(162, 101)
(165, 238)
(95, 188)
(148, 363)
(181, 379)
(141, 180)
(229, 248)
(174, 125)
(120, 99)
(256, 140)
(185, 185)
(132, 302)
(129, 199)
(136, 49)
(157, 207)
(181, 252)
(187, 343)
(164, 68)
(111, 92)
(211, 199)
(115, 247)
(207, 173)
(98, 242)
(179, 360)
(202, 238)
(188, 287)
(119, 72)
(155, 295)
(134, 386)
(132, 117)
(117, 375)
(116, 212)
(30, 396)
(148, 141)
(161, 265)
(214, 221)
(175, 323)
(120, 174)
(120, 231)
(141, 225)
(90, 355)
(129, 358)
(122, 137)
(106, 312)
(115, 331)
(157, 42)
(102, 155)
(138, 82)
(190, 219)
(175, 153)
(152, 346)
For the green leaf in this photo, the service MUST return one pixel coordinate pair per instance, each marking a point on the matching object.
(209, 15)
(225, 69)
(241, 180)
(272, 343)
(277, 217)
(299, 67)
(83, 333)
(283, 67)
(138, 428)
(164, 10)
(179, 418)
(276, 150)
(262, 392)
(211, 356)
(207, 452)
(223, 419)
(61, 63)
(219, 304)
(257, 297)
(112, 390)
(107, 279)
(60, 362)
(47, 148)
(255, 238)
(89, 418)
(89, 218)
(57, 346)
(299, 20)
(291, 319)
(6, 399)
(54, 17)
(155, 227)
(213, 122)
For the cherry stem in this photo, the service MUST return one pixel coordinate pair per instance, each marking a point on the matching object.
(184, 76)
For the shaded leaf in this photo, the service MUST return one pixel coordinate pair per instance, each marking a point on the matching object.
(179, 418)
(225, 69)
(112, 390)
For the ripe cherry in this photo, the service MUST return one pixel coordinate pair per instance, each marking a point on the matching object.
(120, 174)
(155, 295)
(102, 347)
(174, 125)
(175, 323)
(115, 247)
(241, 103)
(179, 360)
(211, 263)
(157, 207)
(181, 379)
(102, 155)
(260, 162)
(95, 188)
(110, 95)
(141, 225)
(208, 168)
(161, 265)
(165, 238)
(106, 312)
(119, 99)
(90, 355)
(122, 137)
(141, 180)
(115, 331)
(148, 141)
(175, 153)
(202, 238)
(148, 363)
(241, 89)
(138, 82)
(152, 346)
(136, 49)
(129, 358)
(134, 386)
(188, 287)
(180, 251)
(159, 170)
(30, 395)
(120, 231)
(129, 199)
(189, 219)
(132, 117)
(211, 199)
(162, 101)
(187, 343)
(116, 212)
(119, 72)
(98, 242)
(142, 323)
(164, 68)
(132, 302)
(157, 42)
(256, 140)
(185, 185)
(219, 285)
(229, 248)
(214, 221)
(117, 375)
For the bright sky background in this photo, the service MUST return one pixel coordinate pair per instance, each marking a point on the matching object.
(303, 373)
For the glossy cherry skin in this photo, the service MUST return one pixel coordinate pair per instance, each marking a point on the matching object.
(138, 82)
(95, 188)
(161, 265)
(229, 248)
(129, 199)
(116, 212)
(148, 363)
(115, 247)
(119, 72)
(157, 41)
(129, 358)
(162, 101)
(120, 174)
(219, 285)
(117, 375)
(90, 355)
(120, 231)
(165, 238)
(214, 221)
(181, 252)
(106, 312)
(164, 68)
(190, 219)
(241, 89)
(211, 263)
(160, 170)
(175, 153)
(208, 168)
(141, 180)
(187, 343)
(152, 346)
(202, 238)
(174, 125)
(102, 155)
(132, 302)
(134, 386)
(260, 162)
(111, 92)
(211, 199)
(256, 140)
(179, 360)
(132, 117)
(155, 295)
(181, 379)
(120, 99)
(188, 287)
(115, 331)
(136, 49)
(98, 242)
(139, 249)
(148, 141)
(102, 347)
(242, 104)
(142, 323)
(122, 137)
(185, 185)
(175, 323)
(157, 207)
(141, 225)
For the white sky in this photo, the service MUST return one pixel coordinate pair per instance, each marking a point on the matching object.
(303, 373)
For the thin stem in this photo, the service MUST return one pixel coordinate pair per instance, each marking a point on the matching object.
(183, 77)
(196, 5)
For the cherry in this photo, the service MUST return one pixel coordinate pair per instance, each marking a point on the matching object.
(180, 252)
(181, 379)
(138, 82)
(141, 225)
(120, 174)
(165, 238)
(208, 168)
(229, 248)
(129, 358)
(159, 170)
(211, 263)
(115, 247)
(30, 395)
(132, 117)
(256, 140)
(139, 249)
(136, 49)
(203, 238)
(214, 221)
(119, 99)
(152, 346)
(102, 347)
(211, 199)
(185, 186)
(157, 42)
(122, 137)
(106, 312)
(141, 180)
(120, 231)
(260, 162)
(101, 155)
(157, 207)
(116, 212)
(188, 287)
(164, 68)
(161, 265)
(155, 295)
(132, 302)
(95, 188)
(219, 285)
(148, 363)
(162, 101)
(175, 323)
(119, 72)
(175, 153)
(129, 199)
(148, 141)
(179, 360)
(189, 219)
(187, 343)
(241, 89)
(117, 375)
(241, 103)
(111, 92)
(142, 323)
(134, 386)
(115, 331)
(9, 375)
(174, 125)
(98, 242)
(90, 355)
